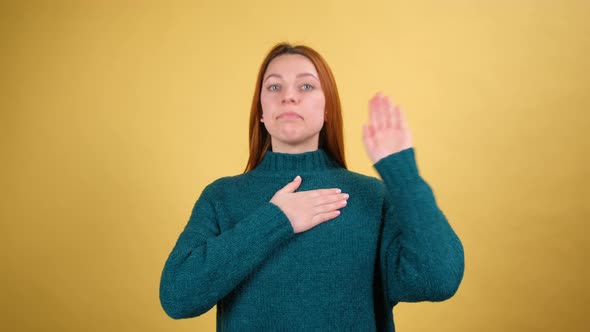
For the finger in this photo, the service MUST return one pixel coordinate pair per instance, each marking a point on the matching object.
(330, 199)
(291, 186)
(368, 133)
(388, 113)
(373, 107)
(380, 115)
(330, 207)
(323, 217)
(402, 119)
(322, 192)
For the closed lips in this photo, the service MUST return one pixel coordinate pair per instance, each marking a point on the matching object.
(289, 115)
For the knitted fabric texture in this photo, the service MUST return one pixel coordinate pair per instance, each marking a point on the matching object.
(390, 244)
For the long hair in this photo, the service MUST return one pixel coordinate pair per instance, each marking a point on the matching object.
(331, 137)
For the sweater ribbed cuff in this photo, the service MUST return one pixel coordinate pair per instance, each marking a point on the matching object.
(260, 233)
(273, 222)
(398, 169)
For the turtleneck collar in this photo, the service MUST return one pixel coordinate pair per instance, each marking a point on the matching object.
(313, 161)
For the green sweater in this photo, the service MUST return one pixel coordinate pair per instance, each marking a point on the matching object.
(390, 243)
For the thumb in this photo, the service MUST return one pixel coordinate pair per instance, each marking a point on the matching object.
(292, 186)
(368, 137)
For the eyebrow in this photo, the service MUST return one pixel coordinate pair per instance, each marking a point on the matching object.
(298, 76)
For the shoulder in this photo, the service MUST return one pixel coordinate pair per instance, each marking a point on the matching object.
(224, 184)
(362, 182)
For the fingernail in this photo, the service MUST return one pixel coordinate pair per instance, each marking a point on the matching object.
(346, 196)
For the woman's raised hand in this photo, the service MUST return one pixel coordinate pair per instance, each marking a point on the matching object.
(306, 209)
(387, 131)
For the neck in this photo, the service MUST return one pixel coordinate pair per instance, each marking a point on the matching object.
(280, 163)
(281, 147)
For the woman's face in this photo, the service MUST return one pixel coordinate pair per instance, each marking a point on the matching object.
(293, 104)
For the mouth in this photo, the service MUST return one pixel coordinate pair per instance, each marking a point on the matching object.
(289, 115)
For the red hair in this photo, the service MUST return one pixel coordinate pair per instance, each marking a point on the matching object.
(331, 135)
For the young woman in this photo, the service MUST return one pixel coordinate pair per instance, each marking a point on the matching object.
(298, 242)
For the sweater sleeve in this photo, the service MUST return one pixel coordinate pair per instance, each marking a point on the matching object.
(421, 257)
(206, 264)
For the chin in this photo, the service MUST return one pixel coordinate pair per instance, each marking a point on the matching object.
(300, 143)
(289, 136)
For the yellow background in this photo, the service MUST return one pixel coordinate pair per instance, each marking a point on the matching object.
(116, 114)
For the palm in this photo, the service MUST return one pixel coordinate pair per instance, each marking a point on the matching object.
(387, 131)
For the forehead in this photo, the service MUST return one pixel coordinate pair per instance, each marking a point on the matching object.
(290, 64)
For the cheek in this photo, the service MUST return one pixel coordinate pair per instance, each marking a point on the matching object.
(319, 104)
(266, 100)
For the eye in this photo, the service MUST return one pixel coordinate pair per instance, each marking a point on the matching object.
(273, 87)
(307, 87)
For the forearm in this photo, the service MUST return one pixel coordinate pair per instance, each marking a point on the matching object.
(202, 269)
(421, 254)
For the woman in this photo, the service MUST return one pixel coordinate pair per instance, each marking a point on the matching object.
(300, 243)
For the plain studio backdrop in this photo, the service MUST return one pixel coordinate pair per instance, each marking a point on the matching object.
(116, 114)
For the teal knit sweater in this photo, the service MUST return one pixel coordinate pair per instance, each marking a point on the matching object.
(390, 243)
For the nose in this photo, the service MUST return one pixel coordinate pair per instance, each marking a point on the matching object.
(290, 96)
